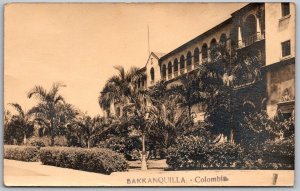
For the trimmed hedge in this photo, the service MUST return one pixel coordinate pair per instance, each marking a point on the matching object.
(22, 153)
(95, 160)
(194, 152)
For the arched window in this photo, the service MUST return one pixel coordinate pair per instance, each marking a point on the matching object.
(223, 39)
(164, 71)
(204, 52)
(233, 38)
(139, 83)
(152, 74)
(249, 28)
(169, 70)
(189, 61)
(196, 56)
(213, 44)
(176, 67)
(181, 64)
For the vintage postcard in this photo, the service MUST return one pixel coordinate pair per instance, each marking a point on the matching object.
(149, 94)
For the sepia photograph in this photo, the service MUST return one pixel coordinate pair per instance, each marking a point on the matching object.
(149, 94)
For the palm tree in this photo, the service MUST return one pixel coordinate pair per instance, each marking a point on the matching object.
(138, 112)
(187, 93)
(22, 121)
(89, 128)
(172, 121)
(118, 87)
(7, 117)
(51, 112)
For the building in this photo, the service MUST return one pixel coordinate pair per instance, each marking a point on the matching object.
(266, 30)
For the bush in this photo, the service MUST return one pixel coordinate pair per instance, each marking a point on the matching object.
(194, 152)
(22, 153)
(45, 141)
(37, 142)
(95, 160)
(279, 154)
(128, 146)
(268, 143)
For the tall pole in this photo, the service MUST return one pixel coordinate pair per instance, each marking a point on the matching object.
(148, 41)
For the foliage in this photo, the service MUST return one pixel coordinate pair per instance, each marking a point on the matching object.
(45, 141)
(84, 130)
(197, 152)
(187, 93)
(269, 143)
(118, 87)
(52, 113)
(22, 153)
(257, 128)
(18, 127)
(36, 142)
(128, 146)
(279, 154)
(96, 160)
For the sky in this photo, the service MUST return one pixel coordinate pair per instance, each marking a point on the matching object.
(78, 44)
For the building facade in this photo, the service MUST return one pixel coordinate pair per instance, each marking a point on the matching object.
(264, 30)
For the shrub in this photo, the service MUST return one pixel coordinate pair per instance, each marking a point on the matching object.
(45, 141)
(279, 154)
(37, 142)
(22, 153)
(95, 160)
(268, 143)
(194, 152)
(128, 146)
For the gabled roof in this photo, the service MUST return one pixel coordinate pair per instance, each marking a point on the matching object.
(158, 54)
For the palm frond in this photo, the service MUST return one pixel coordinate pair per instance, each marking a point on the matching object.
(18, 108)
(39, 92)
(59, 98)
(55, 88)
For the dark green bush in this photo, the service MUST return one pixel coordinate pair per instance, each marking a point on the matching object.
(95, 160)
(128, 146)
(22, 153)
(279, 154)
(195, 152)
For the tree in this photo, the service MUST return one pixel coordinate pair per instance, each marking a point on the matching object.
(118, 87)
(9, 132)
(140, 114)
(220, 80)
(88, 128)
(52, 113)
(216, 91)
(22, 123)
(172, 120)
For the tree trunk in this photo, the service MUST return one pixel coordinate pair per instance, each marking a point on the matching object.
(51, 132)
(88, 143)
(52, 140)
(144, 162)
(231, 136)
(143, 144)
(190, 111)
(24, 139)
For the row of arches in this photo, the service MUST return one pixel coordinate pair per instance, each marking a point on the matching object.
(185, 62)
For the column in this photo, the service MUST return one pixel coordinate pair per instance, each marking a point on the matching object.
(200, 58)
(240, 40)
(258, 29)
